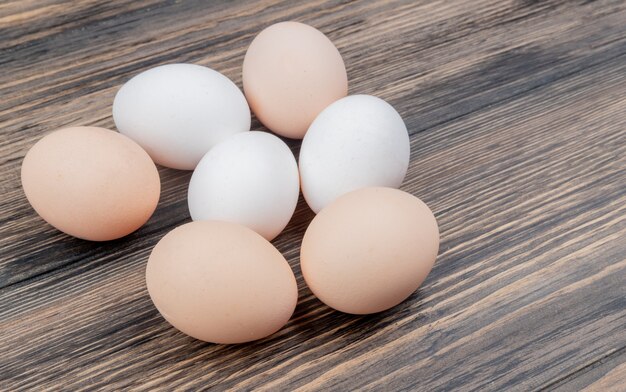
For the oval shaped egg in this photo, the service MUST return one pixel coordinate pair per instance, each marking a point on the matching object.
(221, 282)
(369, 250)
(356, 142)
(91, 183)
(177, 112)
(251, 179)
(291, 72)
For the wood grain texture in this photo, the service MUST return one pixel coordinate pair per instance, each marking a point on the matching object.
(517, 116)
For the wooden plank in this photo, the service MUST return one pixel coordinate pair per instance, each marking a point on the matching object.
(517, 118)
(606, 374)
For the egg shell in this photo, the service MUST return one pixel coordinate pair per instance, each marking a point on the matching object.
(91, 183)
(358, 141)
(250, 178)
(291, 71)
(369, 250)
(221, 282)
(177, 112)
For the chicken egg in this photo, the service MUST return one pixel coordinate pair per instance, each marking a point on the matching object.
(356, 142)
(250, 178)
(369, 250)
(292, 71)
(221, 282)
(177, 112)
(91, 183)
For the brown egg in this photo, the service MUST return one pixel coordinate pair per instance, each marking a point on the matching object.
(291, 72)
(91, 183)
(221, 282)
(369, 250)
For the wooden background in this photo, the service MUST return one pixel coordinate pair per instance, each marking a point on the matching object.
(517, 116)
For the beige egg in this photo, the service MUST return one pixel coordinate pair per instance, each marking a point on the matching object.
(91, 183)
(291, 72)
(369, 250)
(221, 282)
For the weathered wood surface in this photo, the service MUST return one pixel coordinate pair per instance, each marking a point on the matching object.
(517, 115)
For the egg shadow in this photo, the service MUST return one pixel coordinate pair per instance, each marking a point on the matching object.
(313, 318)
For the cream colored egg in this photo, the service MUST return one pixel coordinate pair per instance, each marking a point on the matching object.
(291, 72)
(369, 250)
(91, 183)
(221, 282)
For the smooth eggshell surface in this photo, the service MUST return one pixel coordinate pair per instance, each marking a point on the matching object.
(356, 142)
(177, 112)
(250, 178)
(369, 250)
(221, 282)
(291, 72)
(91, 183)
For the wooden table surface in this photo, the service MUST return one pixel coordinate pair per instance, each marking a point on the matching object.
(517, 116)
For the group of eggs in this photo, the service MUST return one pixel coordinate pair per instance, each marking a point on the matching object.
(218, 278)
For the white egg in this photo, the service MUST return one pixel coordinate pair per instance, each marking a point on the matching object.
(251, 179)
(177, 112)
(358, 141)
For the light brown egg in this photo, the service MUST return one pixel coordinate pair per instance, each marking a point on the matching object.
(221, 282)
(369, 250)
(91, 183)
(291, 72)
